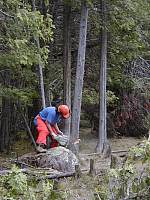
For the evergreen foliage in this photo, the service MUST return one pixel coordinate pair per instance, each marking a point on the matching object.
(20, 54)
(128, 39)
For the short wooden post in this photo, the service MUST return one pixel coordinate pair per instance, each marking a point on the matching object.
(114, 161)
(92, 167)
(77, 171)
(55, 186)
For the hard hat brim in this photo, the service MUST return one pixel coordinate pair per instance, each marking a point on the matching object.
(66, 116)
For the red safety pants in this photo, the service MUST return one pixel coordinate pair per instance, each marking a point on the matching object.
(43, 132)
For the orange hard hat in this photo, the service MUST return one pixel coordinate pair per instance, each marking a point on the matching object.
(64, 111)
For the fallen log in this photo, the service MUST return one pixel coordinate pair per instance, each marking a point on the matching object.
(38, 175)
(56, 176)
(100, 155)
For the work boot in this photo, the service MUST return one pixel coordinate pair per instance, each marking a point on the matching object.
(40, 148)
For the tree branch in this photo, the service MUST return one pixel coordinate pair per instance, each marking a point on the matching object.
(6, 14)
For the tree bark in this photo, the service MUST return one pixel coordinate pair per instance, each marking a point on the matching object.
(79, 78)
(7, 115)
(28, 129)
(67, 64)
(41, 74)
(103, 143)
(40, 65)
(5, 128)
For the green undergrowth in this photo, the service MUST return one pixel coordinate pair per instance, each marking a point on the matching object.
(129, 181)
(132, 180)
(19, 186)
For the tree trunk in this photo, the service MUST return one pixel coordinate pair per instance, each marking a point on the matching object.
(41, 74)
(102, 143)
(40, 65)
(7, 115)
(5, 128)
(79, 79)
(67, 64)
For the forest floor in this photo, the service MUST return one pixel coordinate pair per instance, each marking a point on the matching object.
(89, 141)
(87, 144)
(82, 188)
(119, 148)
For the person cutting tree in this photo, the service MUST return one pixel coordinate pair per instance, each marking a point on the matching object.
(46, 124)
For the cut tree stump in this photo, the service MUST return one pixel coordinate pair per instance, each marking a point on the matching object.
(57, 162)
(58, 158)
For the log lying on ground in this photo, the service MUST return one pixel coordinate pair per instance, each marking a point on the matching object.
(54, 174)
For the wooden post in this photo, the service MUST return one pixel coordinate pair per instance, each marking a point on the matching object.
(149, 135)
(92, 167)
(77, 171)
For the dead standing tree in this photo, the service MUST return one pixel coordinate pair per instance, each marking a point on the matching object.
(67, 62)
(40, 63)
(79, 78)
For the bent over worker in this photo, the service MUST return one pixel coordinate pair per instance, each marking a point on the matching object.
(46, 124)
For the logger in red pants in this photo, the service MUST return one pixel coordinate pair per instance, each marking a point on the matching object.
(46, 124)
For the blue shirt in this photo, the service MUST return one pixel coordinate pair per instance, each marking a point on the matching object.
(49, 114)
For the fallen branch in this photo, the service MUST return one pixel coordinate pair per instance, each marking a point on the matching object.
(29, 130)
(99, 154)
(90, 154)
(6, 14)
(22, 164)
(120, 151)
(56, 176)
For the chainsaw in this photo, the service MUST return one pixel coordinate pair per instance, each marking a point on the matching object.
(63, 140)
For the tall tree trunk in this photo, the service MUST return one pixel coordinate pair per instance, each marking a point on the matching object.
(5, 128)
(40, 65)
(7, 115)
(79, 79)
(41, 74)
(102, 143)
(67, 63)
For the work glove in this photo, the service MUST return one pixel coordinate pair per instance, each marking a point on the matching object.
(53, 135)
(60, 133)
(62, 139)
